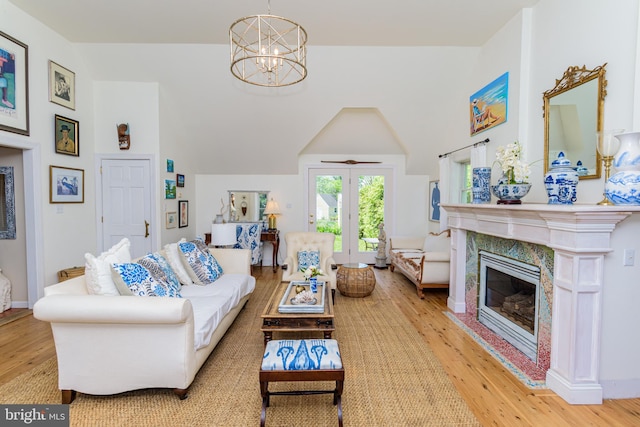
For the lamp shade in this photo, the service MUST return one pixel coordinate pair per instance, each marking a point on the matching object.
(272, 208)
(223, 234)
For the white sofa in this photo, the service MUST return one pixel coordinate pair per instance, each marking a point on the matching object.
(112, 344)
(423, 260)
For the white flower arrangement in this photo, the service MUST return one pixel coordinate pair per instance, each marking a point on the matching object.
(312, 271)
(515, 170)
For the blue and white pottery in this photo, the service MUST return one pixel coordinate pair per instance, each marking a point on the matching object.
(623, 188)
(561, 182)
(313, 281)
(481, 179)
(510, 193)
(628, 156)
(582, 171)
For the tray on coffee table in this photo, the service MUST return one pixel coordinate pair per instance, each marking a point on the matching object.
(287, 306)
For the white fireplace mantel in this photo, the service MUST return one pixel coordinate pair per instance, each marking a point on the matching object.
(580, 237)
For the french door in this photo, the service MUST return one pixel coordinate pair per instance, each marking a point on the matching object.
(350, 203)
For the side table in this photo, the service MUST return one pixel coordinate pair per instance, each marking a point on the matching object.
(355, 280)
(272, 236)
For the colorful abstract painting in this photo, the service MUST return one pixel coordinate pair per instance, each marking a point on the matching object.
(488, 107)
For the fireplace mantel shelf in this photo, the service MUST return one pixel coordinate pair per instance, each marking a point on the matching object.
(580, 237)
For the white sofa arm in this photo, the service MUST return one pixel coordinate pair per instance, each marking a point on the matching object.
(112, 309)
(405, 242)
(436, 256)
(236, 261)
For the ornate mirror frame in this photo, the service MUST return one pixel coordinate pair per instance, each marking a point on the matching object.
(572, 79)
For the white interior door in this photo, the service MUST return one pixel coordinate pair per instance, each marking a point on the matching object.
(350, 202)
(126, 204)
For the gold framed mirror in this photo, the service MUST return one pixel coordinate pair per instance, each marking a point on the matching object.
(573, 114)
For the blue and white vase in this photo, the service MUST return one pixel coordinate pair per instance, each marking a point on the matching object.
(481, 181)
(623, 188)
(561, 182)
(313, 282)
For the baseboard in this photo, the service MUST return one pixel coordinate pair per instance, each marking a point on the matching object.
(19, 304)
(621, 389)
(575, 394)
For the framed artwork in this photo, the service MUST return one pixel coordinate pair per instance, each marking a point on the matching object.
(169, 189)
(183, 213)
(62, 86)
(488, 107)
(169, 165)
(67, 136)
(66, 185)
(434, 201)
(14, 85)
(180, 180)
(172, 220)
(7, 204)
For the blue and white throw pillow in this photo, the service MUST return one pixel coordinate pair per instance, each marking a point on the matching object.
(308, 258)
(202, 267)
(133, 279)
(160, 269)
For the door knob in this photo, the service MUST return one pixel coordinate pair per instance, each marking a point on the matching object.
(146, 229)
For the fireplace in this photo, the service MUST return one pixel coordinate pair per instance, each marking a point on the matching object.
(508, 300)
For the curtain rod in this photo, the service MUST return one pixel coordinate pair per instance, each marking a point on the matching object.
(470, 145)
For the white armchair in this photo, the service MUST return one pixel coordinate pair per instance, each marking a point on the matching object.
(309, 241)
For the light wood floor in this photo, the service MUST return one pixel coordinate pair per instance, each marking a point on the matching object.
(495, 396)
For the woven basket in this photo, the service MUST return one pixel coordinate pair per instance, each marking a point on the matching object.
(355, 282)
(70, 273)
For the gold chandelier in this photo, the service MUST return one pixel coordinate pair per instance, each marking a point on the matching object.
(268, 50)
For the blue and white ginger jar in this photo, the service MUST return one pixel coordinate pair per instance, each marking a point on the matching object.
(623, 188)
(561, 182)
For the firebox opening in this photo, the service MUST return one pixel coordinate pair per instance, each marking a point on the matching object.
(512, 298)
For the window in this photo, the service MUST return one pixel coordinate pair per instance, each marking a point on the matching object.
(465, 182)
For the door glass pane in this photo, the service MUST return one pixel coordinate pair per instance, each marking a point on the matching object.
(329, 207)
(370, 211)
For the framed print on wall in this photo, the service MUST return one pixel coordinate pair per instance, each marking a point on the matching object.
(67, 136)
(180, 180)
(66, 185)
(14, 85)
(434, 201)
(62, 86)
(183, 213)
(169, 189)
(171, 220)
(488, 107)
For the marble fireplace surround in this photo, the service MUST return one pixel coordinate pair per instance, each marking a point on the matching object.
(580, 237)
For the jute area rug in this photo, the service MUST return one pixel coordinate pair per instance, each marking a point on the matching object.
(392, 379)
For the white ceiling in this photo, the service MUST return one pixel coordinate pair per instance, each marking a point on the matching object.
(328, 22)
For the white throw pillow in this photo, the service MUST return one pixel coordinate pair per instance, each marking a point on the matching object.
(97, 270)
(174, 257)
(437, 243)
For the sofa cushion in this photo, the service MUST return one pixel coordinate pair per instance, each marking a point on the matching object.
(174, 258)
(160, 270)
(133, 279)
(437, 243)
(98, 269)
(308, 258)
(199, 263)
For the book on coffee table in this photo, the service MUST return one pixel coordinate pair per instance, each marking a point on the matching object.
(288, 303)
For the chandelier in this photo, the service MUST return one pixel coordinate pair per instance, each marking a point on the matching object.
(268, 50)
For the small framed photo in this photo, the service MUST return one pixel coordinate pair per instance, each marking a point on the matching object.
(14, 85)
(172, 220)
(66, 185)
(434, 201)
(67, 136)
(183, 211)
(180, 180)
(169, 165)
(62, 86)
(169, 189)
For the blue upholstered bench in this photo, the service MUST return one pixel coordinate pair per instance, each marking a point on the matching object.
(301, 360)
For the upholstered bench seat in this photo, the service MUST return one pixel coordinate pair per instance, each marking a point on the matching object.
(301, 360)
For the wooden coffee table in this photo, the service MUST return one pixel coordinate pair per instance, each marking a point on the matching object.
(273, 320)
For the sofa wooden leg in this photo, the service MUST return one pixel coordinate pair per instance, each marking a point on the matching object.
(181, 393)
(420, 292)
(68, 396)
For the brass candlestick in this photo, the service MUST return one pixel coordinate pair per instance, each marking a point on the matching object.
(607, 170)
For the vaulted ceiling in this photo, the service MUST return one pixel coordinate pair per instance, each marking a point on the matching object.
(328, 22)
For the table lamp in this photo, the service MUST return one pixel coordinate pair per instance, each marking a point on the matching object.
(272, 209)
(223, 235)
(607, 145)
